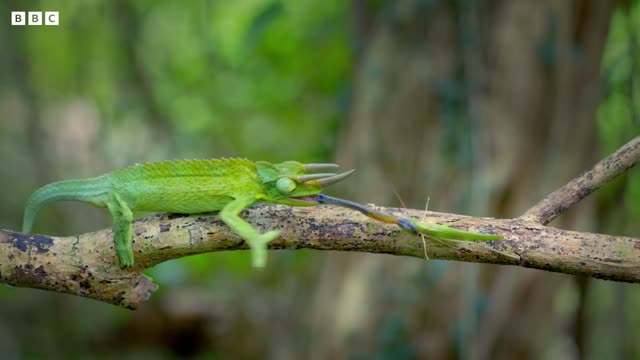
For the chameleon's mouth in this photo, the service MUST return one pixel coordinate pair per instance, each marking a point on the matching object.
(309, 199)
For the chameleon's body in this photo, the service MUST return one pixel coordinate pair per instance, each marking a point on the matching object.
(196, 186)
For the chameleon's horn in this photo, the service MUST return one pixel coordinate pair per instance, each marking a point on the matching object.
(324, 182)
(323, 167)
(305, 178)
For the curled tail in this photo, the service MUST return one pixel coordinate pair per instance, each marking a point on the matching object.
(89, 190)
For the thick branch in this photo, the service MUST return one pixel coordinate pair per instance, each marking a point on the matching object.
(560, 200)
(86, 265)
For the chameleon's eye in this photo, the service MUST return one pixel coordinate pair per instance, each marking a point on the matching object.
(285, 186)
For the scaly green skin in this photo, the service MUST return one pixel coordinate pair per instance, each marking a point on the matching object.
(188, 187)
(225, 185)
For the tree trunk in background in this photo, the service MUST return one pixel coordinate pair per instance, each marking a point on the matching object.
(485, 107)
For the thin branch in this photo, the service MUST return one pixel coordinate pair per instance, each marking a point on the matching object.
(560, 200)
(86, 265)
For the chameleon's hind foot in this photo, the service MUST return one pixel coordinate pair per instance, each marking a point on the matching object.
(258, 247)
(125, 256)
(122, 230)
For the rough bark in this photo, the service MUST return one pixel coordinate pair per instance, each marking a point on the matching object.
(577, 189)
(86, 265)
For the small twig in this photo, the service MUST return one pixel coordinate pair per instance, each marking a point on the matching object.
(560, 200)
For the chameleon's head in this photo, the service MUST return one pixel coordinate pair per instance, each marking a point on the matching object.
(295, 184)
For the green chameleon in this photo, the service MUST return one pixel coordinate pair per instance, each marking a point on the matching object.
(225, 185)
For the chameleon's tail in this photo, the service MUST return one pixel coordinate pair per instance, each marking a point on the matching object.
(89, 190)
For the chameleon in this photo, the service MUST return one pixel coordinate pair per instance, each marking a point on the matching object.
(208, 185)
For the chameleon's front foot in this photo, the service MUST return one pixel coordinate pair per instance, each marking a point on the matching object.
(125, 256)
(258, 247)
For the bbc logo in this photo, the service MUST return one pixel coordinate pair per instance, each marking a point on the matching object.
(21, 18)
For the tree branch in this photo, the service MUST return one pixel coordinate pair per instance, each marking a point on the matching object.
(85, 265)
(560, 200)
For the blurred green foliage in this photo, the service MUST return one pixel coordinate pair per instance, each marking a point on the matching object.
(122, 82)
(619, 112)
(255, 79)
(618, 122)
(250, 78)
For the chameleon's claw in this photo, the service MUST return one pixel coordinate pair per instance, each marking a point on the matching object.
(125, 256)
(258, 247)
(324, 182)
(320, 167)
